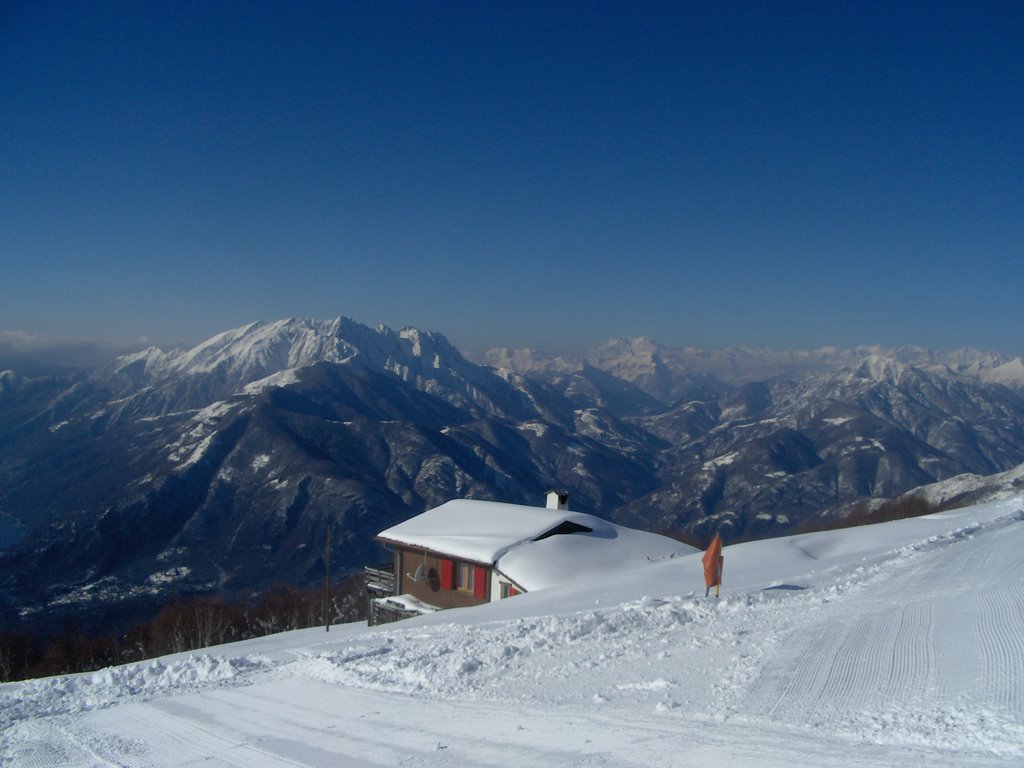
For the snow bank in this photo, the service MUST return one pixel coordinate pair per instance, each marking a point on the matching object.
(114, 685)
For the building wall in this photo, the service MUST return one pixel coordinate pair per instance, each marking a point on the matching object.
(497, 579)
(432, 589)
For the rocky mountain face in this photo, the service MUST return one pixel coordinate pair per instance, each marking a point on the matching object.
(221, 467)
(758, 441)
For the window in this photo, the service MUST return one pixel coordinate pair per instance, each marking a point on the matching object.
(565, 527)
(464, 577)
(507, 590)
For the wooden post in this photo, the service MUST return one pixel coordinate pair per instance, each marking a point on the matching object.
(327, 580)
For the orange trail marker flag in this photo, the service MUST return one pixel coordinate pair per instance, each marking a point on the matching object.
(713, 563)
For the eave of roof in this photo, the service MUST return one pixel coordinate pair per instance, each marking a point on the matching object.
(479, 531)
(435, 552)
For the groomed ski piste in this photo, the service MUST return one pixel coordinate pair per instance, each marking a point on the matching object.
(888, 645)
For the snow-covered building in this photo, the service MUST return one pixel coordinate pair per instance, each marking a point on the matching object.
(466, 553)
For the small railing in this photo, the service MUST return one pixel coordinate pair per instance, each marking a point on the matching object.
(383, 611)
(381, 578)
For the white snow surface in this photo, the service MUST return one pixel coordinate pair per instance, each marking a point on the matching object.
(899, 644)
(586, 558)
(475, 530)
(279, 379)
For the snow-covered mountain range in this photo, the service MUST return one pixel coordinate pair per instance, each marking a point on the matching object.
(666, 372)
(221, 466)
(888, 645)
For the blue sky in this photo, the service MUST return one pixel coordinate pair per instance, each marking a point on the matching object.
(516, 174)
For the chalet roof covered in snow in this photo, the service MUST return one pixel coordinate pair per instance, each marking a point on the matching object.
(534, 546)
(583, 557)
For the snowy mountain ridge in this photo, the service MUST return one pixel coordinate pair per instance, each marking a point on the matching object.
(248, 359)
(973, 489)
(260, 349)
(652, 365)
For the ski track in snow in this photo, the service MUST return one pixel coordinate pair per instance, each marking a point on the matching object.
(913, 658)
(872, 673)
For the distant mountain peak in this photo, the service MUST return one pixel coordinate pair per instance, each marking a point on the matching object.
(876, 367)
(1010, 373)
(257, 350)
(526, 360)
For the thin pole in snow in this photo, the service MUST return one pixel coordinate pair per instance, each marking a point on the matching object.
(327, 581)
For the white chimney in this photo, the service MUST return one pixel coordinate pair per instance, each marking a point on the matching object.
(558, 500)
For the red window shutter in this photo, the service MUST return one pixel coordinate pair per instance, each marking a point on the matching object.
(512, 591)
(480, 582)
(447, 574)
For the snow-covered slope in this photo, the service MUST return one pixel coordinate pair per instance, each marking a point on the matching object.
(896, 644)
(966, 489)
